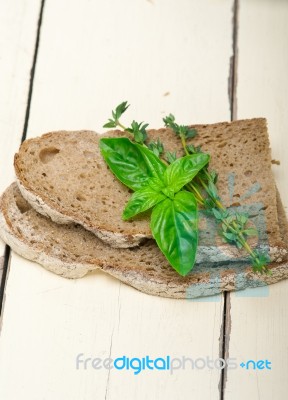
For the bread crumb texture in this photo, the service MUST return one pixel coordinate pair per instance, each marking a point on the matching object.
(71, 251)
(65, 172)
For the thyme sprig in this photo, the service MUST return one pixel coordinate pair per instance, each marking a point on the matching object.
(116, 115)
(234, 227)
(157, 147)
(137, 130)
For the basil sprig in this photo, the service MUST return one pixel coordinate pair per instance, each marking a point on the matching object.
(174, 219)
(152, 190)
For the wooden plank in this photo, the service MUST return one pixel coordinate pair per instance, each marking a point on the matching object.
(18, 26)
(157, 55)
(92, 56)
(100, 317)
(259, 329)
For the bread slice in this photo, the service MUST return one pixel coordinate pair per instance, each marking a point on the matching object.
(71, 251)
(63, 176)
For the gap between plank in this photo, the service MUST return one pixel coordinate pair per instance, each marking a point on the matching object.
(224, 343)
(32, 72)
(232, 93)
(7, 252)
(232, 80)
(4, 276)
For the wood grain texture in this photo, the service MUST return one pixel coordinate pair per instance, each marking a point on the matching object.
(259, 328)
(18, 25)
(100, 317)
(100, 55)
(93, 55)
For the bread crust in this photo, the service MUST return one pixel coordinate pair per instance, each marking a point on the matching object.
(121, 234)
(114, 239)
(35, 237)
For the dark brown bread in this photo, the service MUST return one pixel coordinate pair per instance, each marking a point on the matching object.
(63, 175)
(71, 251)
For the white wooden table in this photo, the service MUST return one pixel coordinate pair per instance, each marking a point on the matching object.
(64, 64)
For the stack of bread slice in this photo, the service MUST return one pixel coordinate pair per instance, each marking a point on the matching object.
(64, 212)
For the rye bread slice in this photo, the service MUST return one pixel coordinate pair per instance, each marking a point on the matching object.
(63, 176)
(71, 251)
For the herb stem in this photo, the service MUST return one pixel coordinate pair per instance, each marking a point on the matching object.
(196, 192)
(234, 229)
(218, 204)
(216, 201)
(183, 141)
(245, 244)
(163, 160)
(121, 126)
(231, 227)
(206, 173)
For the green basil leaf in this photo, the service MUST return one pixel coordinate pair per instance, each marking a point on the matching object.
(183, 170)
(141, 201)
(156, 184)
(156, 166)
(132, 164)
(168, 192)
(174, 224)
